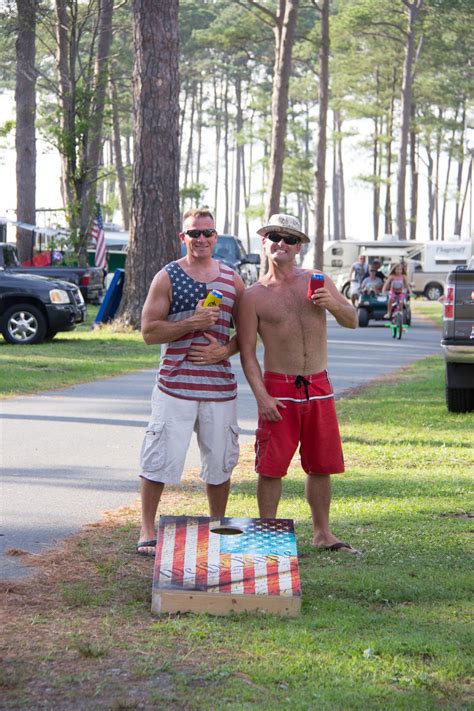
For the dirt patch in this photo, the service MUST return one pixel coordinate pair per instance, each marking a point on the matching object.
(79, 632)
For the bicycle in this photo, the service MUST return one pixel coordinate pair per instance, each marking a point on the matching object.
(400, 318)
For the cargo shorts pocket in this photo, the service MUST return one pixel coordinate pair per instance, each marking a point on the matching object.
(232, 449)
(262, 447)
(153, 452)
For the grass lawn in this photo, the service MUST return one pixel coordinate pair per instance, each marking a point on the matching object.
(432, 310)
(387, 629)
(73, 357)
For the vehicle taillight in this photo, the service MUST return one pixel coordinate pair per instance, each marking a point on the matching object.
(448, 313)
(85, 280)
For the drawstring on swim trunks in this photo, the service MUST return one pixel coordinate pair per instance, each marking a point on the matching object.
(299, 381)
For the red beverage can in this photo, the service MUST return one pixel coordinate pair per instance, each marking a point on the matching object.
(316, 281)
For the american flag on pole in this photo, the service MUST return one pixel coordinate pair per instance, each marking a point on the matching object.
(234, 556)
(97, 234)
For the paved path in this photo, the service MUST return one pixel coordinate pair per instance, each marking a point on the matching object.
(68, 455)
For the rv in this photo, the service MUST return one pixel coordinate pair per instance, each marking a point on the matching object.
(428, 263)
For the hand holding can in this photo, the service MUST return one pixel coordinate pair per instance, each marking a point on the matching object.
(213, 298)
(316, 281)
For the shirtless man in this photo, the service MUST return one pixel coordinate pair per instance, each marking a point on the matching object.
(294, 395)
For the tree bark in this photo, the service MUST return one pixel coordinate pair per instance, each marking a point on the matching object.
(25, 140)
(414, 176)
(239, 123)
(118, 157)
(284, 31)
(414, 7)
(321, 144)
(155, 222)
(388, 193)
(460, 158)
(94, 138)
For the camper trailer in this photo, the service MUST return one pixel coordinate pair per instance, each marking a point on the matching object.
(428, 263)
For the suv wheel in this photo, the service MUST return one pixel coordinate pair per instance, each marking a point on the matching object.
(23, 325)
(433, 291)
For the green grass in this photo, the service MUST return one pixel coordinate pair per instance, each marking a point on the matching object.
(387, 629)
(433, 310)
(73, 357)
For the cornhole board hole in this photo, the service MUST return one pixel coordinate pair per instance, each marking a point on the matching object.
(223, 565)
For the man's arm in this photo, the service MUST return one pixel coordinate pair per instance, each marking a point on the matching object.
(247, 329)
(329, 297)
(155, 326)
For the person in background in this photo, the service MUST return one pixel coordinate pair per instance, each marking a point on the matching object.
(397, 286)
(378, 266)
(356, 276)
(294, 395)
(372, 283)
(195, 387)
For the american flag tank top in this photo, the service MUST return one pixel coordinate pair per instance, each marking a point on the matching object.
(177, 375)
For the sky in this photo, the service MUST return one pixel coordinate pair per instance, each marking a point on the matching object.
(358, 196)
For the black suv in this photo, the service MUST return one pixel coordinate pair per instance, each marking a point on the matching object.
(33, 308)
(458, 339)
(230, 251)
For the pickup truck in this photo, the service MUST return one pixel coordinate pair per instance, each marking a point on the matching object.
(34, 308)
(90, 280)
(458, 339)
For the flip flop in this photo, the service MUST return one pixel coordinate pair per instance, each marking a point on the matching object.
(337, 546)
(146, 544)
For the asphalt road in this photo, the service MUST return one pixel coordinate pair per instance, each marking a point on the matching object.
(69, 455)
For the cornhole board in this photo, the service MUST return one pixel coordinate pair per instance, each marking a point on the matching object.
(223, 565)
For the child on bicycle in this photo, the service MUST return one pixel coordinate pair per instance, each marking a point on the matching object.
(397, 286)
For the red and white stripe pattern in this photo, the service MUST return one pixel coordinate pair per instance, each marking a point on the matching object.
(191, 557)
(97, 234)
(178, 376)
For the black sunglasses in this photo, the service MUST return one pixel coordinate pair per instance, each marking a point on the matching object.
(194, 234)
(287, 239)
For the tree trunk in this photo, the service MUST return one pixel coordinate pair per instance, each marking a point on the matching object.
(437, 176)
(322, 123)
(414, 176)
(118, 157)
(342, 189)
(431, 198)
(25, 140)
(376, 188)
(388, 193)
(94, 145)
(335, 182)
(448, 173)
(218, 120)
(155, 222)
(460, 157)
(239, 123)
(199, 134)
(284, 31)
(414, 7)
(226, 158)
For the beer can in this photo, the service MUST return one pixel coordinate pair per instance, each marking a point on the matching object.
(213, 298)
(316, 281)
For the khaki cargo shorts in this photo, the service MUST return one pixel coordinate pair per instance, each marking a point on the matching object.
(169, 432)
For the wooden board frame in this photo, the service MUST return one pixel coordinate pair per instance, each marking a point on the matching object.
(224, 565)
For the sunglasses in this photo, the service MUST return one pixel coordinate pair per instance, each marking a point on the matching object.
(194, 234)
(287, 239)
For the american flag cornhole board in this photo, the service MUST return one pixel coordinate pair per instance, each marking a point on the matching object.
(220, 565)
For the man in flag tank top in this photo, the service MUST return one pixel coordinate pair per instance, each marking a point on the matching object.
(295, 399)
(195, 388)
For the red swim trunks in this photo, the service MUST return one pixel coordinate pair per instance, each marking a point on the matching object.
(309, 420)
